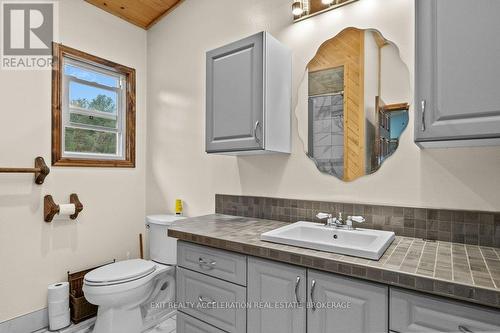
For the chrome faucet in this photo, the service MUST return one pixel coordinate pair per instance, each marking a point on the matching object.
(330, 221)
(338, 222)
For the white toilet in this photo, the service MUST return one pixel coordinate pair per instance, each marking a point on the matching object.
(131, 293)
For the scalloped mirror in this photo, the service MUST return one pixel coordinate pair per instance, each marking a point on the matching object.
(353, 103)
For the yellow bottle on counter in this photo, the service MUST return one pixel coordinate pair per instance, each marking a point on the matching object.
(178, 207)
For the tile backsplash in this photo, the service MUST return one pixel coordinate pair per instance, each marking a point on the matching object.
(459, 226)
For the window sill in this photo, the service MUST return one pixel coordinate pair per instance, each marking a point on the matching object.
(69, 162)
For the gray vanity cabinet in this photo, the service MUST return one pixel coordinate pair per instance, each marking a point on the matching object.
(276, 284)
(346, 305)
(248, 97)
(412, 312)
(457, 99)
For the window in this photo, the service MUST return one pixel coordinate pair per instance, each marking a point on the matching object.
(93, 111)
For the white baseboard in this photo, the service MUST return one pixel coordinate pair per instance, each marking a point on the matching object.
(27, 323)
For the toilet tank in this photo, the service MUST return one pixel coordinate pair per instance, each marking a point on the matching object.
(162, 249)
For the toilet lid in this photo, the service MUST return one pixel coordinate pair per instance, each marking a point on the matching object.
(121, 271)
(163, 219)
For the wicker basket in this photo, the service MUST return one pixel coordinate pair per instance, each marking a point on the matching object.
(81, 309)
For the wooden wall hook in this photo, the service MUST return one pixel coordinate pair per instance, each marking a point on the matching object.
(50, 208)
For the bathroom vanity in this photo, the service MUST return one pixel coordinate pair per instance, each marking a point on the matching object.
(222, 260)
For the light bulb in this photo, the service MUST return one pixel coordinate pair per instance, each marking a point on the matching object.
(327, 2)
(297, 9)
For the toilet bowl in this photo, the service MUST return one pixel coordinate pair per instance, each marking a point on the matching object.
(124, 291)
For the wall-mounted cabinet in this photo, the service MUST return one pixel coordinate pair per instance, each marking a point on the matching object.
(248, 97)
(457, 73)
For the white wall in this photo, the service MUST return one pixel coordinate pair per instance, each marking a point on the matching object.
(178, 166)
(34, 253)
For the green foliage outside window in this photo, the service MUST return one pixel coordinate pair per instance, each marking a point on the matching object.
(92, 141)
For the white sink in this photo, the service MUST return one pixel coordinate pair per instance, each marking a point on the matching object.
(364, 243)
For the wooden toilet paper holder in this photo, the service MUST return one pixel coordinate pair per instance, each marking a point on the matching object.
(50, 208)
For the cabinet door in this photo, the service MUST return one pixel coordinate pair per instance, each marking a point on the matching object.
(412, 312)
(235, 96)
(345, 305)
(270, 285)
(457, 70)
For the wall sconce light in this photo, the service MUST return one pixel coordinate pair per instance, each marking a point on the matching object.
(297, 9)
(304, 9)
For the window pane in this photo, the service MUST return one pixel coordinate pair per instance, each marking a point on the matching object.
(92, 120)
(91, 76)
(92, 98)
(89, 141)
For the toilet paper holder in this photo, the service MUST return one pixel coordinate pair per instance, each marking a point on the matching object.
(50, 208)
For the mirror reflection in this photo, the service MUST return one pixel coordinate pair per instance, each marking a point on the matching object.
(358, 95)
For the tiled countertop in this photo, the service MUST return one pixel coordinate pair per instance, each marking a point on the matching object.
(465, 272)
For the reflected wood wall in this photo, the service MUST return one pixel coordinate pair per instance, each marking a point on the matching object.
(347, 49)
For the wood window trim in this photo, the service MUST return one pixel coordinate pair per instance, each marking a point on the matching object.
(59, 51)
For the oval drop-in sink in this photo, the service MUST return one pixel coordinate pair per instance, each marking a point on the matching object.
(364, 243)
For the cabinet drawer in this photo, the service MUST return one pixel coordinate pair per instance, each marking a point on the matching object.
(221, 264)
(212, 300)
(415, 312)
(188, 324)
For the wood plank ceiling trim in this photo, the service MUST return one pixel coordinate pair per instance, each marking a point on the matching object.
(142, 13)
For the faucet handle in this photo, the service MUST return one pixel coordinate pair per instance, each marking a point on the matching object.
(323, 216)
(358, 219)
(350, 219)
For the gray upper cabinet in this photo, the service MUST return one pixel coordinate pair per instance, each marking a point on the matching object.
(276, 283)
(346, 305)
(248, 97)
(457, 73)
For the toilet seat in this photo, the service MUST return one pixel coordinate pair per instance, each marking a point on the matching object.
(120, 272)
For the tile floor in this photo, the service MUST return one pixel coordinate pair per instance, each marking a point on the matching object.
(168, 325)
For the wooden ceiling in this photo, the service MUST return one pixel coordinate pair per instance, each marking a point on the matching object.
(143, 13)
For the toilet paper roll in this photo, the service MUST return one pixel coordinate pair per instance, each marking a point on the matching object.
(58, 292)
(67, 209)
(57, 322)
(57, 308)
